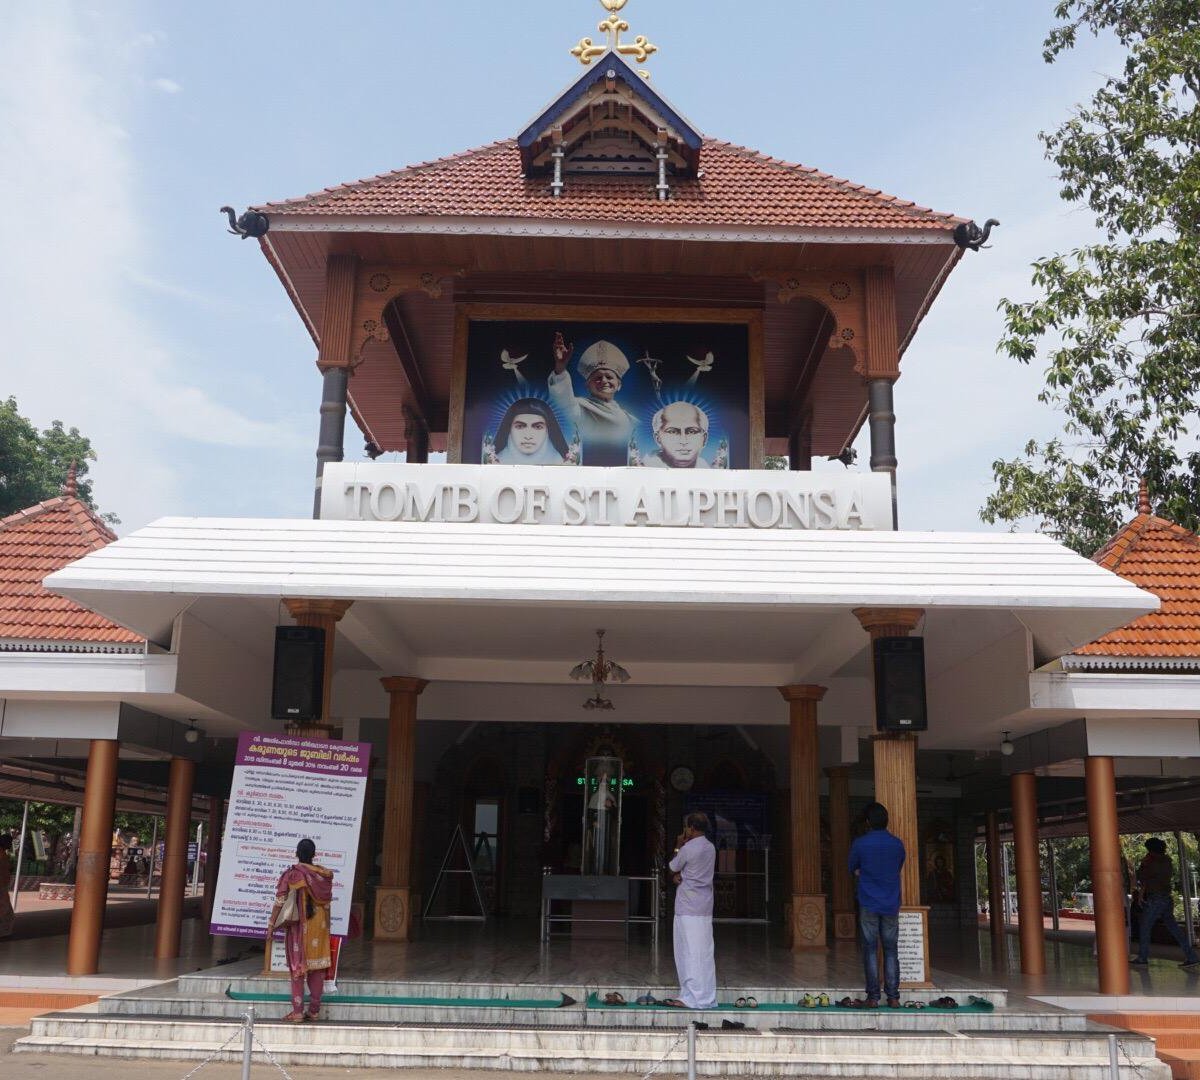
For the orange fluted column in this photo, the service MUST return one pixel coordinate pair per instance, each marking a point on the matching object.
(212, 853)
(174, 865)
(95, 854)
(841, 884)
(325, 614)
(393, 914)
(1029, 874)
(995, 869)
(808, 902)
(1108, 885)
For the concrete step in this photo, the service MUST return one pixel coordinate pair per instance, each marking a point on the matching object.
(912, 1055)
(166, 1001)
(216, 981)
(1182, 1021)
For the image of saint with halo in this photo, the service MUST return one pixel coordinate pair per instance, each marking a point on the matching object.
(592, 392)
(529, 434)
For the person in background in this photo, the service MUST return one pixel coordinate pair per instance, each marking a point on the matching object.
(1154, 878)
(301, 910)
(876, 858)
(693, 864)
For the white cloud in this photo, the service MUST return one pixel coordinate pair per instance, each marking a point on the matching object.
(167, 86)
(77, 346)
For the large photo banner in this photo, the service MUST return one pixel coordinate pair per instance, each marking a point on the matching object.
(567, 392)
(286, 788)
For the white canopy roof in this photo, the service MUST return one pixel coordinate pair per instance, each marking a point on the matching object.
(486, 611)
(146, 578)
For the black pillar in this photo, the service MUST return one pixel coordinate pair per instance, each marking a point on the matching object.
(883, 434)
(333, 425)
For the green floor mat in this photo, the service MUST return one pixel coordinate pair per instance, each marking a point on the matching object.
(371, 999)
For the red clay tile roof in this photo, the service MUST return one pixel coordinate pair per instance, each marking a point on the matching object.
(737, 186)
(35, 542)
(1164, 559)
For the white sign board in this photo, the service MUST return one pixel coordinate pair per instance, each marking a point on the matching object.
(911, 948)
(287, 788)
(576, 495)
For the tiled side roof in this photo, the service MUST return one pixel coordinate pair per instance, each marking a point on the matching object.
(736, 186)
(34, 543)
(1164, 559)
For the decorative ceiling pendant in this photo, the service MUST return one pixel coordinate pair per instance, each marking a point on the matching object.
(599, 671)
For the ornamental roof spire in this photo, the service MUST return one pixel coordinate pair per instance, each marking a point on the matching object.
(614, 26)
(71, 487)
(1143, 498)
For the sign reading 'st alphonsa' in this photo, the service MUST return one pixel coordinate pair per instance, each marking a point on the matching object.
(287, 788)
(529, 495)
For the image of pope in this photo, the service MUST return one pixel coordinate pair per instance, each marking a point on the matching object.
(681, 432)
(598, 417)
(529, 434)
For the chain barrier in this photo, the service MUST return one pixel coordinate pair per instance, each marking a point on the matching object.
(245, 1031)
(1135, 1066)
(211, 1057)
(271, 1058)
(670, 1050)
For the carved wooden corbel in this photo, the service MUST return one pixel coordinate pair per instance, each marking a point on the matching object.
(378, 286)
(839, 292)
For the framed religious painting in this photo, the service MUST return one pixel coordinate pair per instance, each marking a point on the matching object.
(652, 388)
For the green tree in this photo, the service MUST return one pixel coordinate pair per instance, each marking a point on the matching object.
(34, 464)
(1118, 320)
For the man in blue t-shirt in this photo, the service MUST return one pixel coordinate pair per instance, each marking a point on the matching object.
(876, 858)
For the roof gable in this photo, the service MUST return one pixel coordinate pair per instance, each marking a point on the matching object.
(1164, 559)
(36, 542)
(609, 99)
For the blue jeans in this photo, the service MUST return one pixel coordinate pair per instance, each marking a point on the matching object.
(1157, 907)
(873, 929)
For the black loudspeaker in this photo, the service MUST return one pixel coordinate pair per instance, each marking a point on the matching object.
(900, 684)
(299, 673)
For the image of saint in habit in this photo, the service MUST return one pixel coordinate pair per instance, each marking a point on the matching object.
(681, 432)
(598, 417)
(529, 434)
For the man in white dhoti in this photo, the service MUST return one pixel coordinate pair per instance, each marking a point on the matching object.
(693, 865)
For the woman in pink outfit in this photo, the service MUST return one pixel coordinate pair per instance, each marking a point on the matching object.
(301, 910)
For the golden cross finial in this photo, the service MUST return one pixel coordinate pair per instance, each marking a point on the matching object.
(614, 26)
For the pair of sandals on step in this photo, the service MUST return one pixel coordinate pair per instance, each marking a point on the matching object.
(615, 997)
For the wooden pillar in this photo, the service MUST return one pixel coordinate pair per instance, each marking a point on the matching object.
(808, 902)
(995, 883)
(841, 883)
(1029, 874)
(212, 853)
(896, 759)
(324, 614)
(1108, 885)
(174, 864)
(393, 914)
(335, 361)
(94, 856)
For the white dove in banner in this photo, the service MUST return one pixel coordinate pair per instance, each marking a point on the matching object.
(701, 366)
(513, 364)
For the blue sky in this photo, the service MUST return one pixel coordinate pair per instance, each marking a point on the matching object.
(129, 312)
